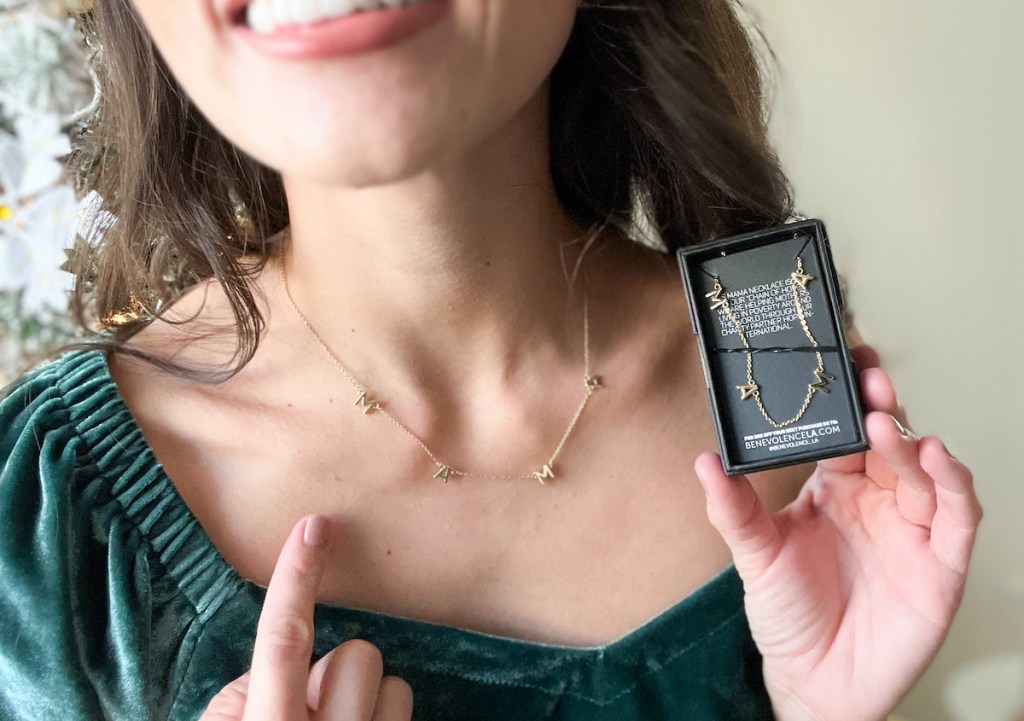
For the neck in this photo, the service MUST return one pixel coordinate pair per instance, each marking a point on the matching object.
(449, 281)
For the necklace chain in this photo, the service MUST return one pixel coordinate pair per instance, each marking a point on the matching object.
(752, 389)
(445, 470)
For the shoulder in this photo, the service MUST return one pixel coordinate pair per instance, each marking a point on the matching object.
(40, 399)
(72, 488)
(66, 443)
(50, 416)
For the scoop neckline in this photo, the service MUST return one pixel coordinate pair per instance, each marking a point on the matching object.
(129, 456)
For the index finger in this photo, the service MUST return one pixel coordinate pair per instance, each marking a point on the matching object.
(284, 634)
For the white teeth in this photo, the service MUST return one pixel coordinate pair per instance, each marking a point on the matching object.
(337, 8)
(259, 18)
(281, 11)
(265, 16)
(302, 11)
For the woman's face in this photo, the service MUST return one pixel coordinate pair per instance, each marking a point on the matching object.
(371, 116)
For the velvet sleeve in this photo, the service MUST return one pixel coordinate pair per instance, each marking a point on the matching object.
(81, 633)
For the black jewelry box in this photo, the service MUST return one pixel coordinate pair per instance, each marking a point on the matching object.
(778, 290)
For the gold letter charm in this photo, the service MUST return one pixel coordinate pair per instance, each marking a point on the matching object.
(821, 384)
(368, 405)
(747, 390)
(443, 472)
(543, 473)
(716, 296)
(593, 382)
(799, 276)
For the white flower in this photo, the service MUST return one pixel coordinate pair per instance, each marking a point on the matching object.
(47, 82)
(33, 251)
(44, 65)
(42, 143)
(12, 168)
(29, 158)
(37, 215)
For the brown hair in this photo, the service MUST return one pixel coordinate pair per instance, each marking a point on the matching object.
(654, 104)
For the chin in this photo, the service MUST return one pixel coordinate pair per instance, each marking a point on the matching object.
(366, 164)
(326, 139)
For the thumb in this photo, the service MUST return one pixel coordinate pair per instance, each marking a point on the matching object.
(229, 703)
(736, 511)
(316, 678)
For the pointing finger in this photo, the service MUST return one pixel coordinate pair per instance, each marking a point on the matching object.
(284, 634)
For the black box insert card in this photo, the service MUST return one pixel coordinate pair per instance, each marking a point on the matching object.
(766, 312)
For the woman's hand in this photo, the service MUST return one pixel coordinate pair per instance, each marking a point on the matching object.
(344, 685)
(852, 587)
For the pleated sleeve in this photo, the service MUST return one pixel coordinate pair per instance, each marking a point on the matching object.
(84, 631)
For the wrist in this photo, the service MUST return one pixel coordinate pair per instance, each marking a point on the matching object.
(787, 707)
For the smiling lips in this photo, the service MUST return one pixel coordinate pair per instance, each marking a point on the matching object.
(264, 16)
(303, 32)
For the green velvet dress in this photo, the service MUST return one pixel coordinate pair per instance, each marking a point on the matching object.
(115, 604)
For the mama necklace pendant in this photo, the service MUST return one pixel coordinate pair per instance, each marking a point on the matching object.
(372, 406)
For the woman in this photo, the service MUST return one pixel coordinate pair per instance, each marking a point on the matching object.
(421, 213)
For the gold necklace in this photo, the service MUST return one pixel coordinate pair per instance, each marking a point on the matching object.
(444, 470)
(751, 389)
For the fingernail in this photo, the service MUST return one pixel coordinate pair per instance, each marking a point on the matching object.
(904, 431)
(316, 533)
(946, 449)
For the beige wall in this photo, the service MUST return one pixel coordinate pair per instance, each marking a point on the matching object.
(901, 125)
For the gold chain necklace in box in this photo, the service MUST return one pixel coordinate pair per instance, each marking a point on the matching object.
(752, 389)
